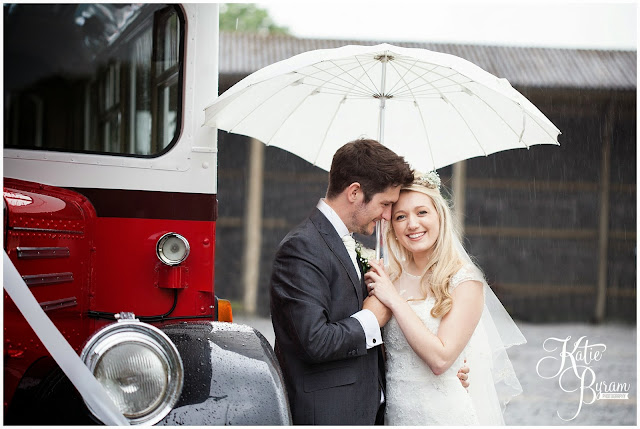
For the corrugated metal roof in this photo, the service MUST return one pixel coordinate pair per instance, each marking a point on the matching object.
(244, 53)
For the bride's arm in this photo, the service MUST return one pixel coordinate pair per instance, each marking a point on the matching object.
(456, 328)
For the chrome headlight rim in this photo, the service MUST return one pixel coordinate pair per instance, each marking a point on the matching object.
(160, 249)
(143, 334)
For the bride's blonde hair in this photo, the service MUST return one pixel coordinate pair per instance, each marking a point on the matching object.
(445, 260)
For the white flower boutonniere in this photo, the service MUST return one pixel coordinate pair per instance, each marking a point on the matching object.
(364, 255)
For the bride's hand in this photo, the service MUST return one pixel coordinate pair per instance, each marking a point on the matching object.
(380, 286)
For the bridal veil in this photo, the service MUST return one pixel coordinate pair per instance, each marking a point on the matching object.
(493, 381)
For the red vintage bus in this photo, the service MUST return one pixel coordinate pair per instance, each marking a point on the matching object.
(109, 214)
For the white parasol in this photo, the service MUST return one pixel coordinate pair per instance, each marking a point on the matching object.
(432, 108)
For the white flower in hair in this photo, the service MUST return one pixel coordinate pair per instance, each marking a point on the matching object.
(429, 180)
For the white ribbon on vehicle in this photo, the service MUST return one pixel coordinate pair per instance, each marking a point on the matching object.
(91, 390)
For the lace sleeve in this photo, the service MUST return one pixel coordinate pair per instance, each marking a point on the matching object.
(466, 273)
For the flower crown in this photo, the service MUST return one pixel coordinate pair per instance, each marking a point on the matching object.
(429, 180)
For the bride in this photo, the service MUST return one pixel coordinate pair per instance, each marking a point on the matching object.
(443, 314)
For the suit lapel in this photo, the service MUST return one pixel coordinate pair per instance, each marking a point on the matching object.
(335, 244)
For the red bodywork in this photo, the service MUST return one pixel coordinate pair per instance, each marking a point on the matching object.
(77, 261)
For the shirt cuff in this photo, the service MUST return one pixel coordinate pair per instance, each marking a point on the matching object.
(370, 326)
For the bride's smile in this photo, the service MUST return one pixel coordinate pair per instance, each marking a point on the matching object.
(416, 236)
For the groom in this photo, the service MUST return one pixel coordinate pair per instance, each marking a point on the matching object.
(327, 329)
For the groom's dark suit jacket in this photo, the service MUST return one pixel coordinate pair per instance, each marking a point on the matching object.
(331, 377)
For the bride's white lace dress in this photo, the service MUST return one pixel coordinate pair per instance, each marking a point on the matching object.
(414, 394)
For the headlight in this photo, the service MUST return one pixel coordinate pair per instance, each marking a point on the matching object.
(172, 248)
(139, 367)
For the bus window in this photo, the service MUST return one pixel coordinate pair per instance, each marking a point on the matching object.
(93, 77)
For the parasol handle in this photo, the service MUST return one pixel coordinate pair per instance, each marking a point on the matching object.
(378, 246)
(383, 59)
(381, 120)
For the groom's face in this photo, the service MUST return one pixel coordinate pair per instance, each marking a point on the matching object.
(364, 218)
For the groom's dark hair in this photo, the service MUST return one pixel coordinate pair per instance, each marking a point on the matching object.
(368, 162)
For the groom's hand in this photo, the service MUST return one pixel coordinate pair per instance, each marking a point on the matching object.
(382, 313)
(463, 375)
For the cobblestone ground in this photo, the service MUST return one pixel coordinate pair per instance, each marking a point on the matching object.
(543, 402)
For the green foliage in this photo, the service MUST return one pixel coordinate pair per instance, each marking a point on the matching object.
(249, 18)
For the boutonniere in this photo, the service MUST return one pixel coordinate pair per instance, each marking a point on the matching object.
(364, 255)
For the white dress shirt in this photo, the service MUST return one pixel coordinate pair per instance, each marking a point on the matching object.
(365, 317)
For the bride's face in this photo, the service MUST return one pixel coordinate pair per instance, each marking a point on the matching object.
(416, 223)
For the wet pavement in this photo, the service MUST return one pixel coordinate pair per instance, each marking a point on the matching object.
(606, 359)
